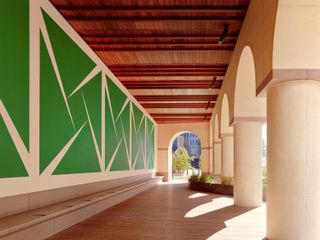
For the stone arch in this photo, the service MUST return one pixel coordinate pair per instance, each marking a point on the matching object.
(224, 116)
(247, 107)
(170, 149)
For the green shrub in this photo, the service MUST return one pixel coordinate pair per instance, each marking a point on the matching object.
(194, 178)
(206, 178)
(264, 182)
(181, 160)
(227, 180)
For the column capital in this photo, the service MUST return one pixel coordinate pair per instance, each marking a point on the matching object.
(222, 135)
(236, 120)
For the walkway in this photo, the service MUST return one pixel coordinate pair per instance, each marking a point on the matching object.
(172, 212)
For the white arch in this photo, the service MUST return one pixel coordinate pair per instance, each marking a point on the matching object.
(170, 150)
(224, 118)
(246, 104)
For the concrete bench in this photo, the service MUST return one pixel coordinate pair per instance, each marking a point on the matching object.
(46, 221)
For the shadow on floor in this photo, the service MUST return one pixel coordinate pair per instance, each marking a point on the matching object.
(164, 212)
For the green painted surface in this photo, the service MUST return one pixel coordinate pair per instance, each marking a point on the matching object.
(81, 157)
(137, 115)
(14, 63)
(139, 162)
(111, 141)
(55, 123)
(73, 63)
(120, 162)
(92, 95)
(77, 109)
(10, 163)
(151, 146)
(117, 97)
(124, 119)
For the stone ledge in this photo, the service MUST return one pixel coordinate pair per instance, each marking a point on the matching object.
(57, 217)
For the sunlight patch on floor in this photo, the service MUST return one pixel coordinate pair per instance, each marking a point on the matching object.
(197, 195)
(249, 226)
(215, 204)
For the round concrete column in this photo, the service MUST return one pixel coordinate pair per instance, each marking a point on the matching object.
(247, 164)
(217, 157)
(227, 155)
(293, 168)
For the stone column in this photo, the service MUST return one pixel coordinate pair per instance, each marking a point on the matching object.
(293, 168)
(217, 157)
(227, 155)
(247, 164)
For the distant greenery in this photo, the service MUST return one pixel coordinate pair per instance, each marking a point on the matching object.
(194, 178)
(181, 160)
(264, 176)
(205, 178)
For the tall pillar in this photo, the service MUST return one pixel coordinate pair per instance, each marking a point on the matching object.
(227, 155)
(293, 168)
(247, 164)
(217, 157)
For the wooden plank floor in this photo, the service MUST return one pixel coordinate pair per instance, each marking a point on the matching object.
(172, 212)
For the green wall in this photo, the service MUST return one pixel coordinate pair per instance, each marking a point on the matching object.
(71, 129)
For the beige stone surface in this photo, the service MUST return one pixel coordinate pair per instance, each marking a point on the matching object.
(247, 165)
(227, 156)
(166, 135)
(293, 160)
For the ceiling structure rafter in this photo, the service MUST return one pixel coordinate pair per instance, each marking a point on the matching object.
(172, 55)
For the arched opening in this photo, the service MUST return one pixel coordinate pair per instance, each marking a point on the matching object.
(192, 147)
(246, 103)
(217, 148)
(224, 118)
(249, 116)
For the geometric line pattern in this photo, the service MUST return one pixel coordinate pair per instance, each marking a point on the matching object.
(86, 122)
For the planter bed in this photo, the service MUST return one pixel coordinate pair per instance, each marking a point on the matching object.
(212, 188)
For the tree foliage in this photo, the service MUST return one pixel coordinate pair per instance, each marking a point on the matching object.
(181, 160)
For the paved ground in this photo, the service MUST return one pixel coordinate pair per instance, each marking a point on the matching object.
(171, 211)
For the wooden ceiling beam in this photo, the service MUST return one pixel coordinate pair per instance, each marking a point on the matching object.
(154, 42)
(180, 120)
(161, 34)
(171, 85)
(158, 98)
(178, 105)
(125, 18)
(114, 48)
(171, 74)
(156, 9)
(174, 65)
(183, 115)
(168, 70)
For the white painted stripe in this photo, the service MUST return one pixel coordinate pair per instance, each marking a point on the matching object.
(91, 75)
(103, 121)
(130, 131)
(141, 121)
(14, 134)
(55, 162)
(55, 66)
(148, 160)
(123, 107)
(92, 133)
(110, 106)
(152, 129)
(136, 158)
(125, 144)
(34, 87)
(145, 144)
(114, 155)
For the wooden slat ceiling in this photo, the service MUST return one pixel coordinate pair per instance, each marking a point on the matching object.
(166, 52)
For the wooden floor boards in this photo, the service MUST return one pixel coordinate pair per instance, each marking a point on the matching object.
(172, 212)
